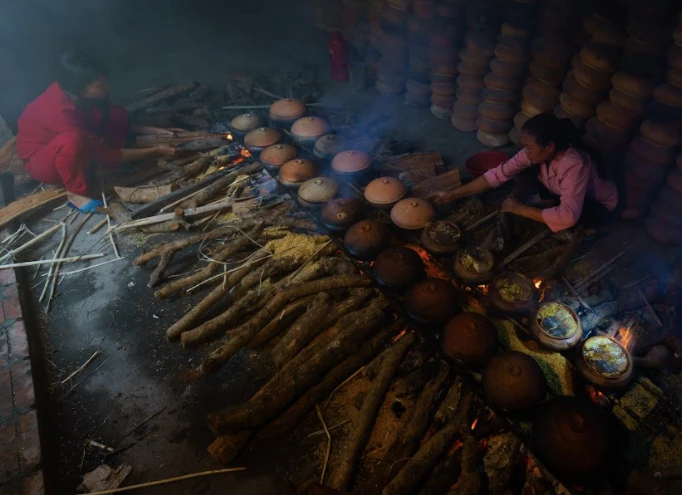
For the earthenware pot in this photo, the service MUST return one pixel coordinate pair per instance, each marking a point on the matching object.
(314, 193)
(412, 213)
(513, 293)
(514, 381)
(286, 111)
(442, 237)
(475, 265)
(351, 163)
(328, 146)
(398, 267)
(295, 172)
(307, 130)
(555, 325)
(273, 157)
(339, 214)
(605, 363)
(385, 192)
(470, 338)
(365, 239)
(431, 301)
(244, 123)
(259, 139)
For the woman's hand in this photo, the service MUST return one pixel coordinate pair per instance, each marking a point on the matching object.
(511, 205)
(443, 197)
(167, 151)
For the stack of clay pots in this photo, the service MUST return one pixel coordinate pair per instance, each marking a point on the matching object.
(549, 53)
(419, 29)
(504, 79)
(392, 67)
(664, 222)
(444, 42)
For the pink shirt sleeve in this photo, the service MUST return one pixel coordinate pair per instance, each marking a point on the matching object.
(507, 170)
(573, 187)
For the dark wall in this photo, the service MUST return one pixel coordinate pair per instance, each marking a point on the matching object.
(148, 42)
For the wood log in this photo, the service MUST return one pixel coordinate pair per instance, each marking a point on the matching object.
(500, 460)
(423, 460)
(218, 185)
(443, 182)
(314, 321)
(416, 423)
(471, 481)
(306, 327)
(305, 404)
(205, 144)
(177, 140)
(412, 383)
(448, 408)
(211, 268)
(343, 474)
(444, 475)
(307, 368)
(166, 94)
(226, 448)
(144, 194)
(281, 321)
(27, 204)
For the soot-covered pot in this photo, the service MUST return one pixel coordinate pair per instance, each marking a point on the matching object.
(295, 172)
(339, 214)
(365, 239)
(513, 292)
(307, 130)
(273, 157)
(556, 326)
(314, 193)
(398, 267)
(514, 381)
(470, 338)
(571, 438)
(351, 164)
(431, 301)
(442, 237)
(385, 192)
(328, 146)
(286, 111)
(259, 139)
(605, 363)
(412, 213)
(244, 123)
(474, 265)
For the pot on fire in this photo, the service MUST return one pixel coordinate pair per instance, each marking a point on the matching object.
(314, 193)
(441, 237)
(605, 363)
(273, 157)
(431, 301)
(555, 325)
(412, 213)
(244, 123)
(513, 292)
(339, 214)
(351, 164)
(328, 146)
(295, 172)
(474, 265)
(398, 267)
(307, 130)
(385, 192)
(286, 111)
(470, 338)
(259, 139)
(514, 381)
(366, 239)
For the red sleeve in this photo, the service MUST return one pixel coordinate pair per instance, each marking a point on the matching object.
(70, 120)
(507, 170)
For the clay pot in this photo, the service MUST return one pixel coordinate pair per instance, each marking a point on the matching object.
(492, 140)
(442, 237)
(475, 265)
(647, 150)
(576, 107)
(444, 102)
(412, 213)
(611, 36)
(647, 31)
(590, 78)
(470, 338)
(471, 98)
(513, 293)
(511, 50)
(668, 95)
(637, 87)
(470, 83)
(626, 102)
(277, 155)
(662, 133)
(605, 135)
(539, 98)
(328, 146)
(365, 239)
(605, 363)
(472, 57)
(462, 110)
(555, 325)
(286, 111)
(563, 114)
(515, 136)
(417, 88)
(463, 124)
(351, 163)
(443, 89)
(314, 193)
(495, 110)
(442, 113)
(550, 52)
(295, 172)
(478, 42)
(580, 92)
(244, 123)
(308, 130)
(390, 89)
(549, 75)
(339, 214)
(601, 58)
(498, 96)
(615, 117)
(431, 301)
(259, 139)
(491, 126)
(521, 118)
(385, 192)
(492, 80)
(398, 268)
(514, 381)
(571, 438)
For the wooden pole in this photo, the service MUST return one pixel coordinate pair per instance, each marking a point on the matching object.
(53, 260)
(30, 243)
(525, 247)
(189, 212)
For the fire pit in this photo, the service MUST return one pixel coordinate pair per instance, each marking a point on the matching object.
(556, 326)
(605, 363)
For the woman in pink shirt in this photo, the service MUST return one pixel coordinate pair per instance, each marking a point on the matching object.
(568, 177)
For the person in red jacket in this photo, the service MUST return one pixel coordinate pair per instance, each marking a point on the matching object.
(73, 127)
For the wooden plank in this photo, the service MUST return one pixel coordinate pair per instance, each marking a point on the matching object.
(27, 204)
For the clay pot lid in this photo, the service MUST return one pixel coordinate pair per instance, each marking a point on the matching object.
(298, 170)
(366, 237)
(571, 437)
(557, 320)
(431, 301)
(277, 155)
(287, 108)
(470, 337)
(318, 190)
(514, 381)
(245, 122)
(262, 137)
(385, 190)
(605, 356)
(351, 161)
(398, 267)
(342, 212)
(330, 144)
(514, 287)
(307, 127)
(412, 213)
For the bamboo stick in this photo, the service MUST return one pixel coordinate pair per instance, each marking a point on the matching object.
(482, 220)
(189, 212)
(57, 254)
(70, 259)
(30, 243)
(525, 247)
(590, 279)
(111, 236)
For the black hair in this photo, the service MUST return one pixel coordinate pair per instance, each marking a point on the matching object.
(75, 70)
(548, 128)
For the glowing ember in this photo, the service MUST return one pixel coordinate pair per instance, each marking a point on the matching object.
(430, 266)
(483, 289)
(473, 425)
(537, 282)
(597, 397)
(245, 153)
(397, 337)
(229, 136)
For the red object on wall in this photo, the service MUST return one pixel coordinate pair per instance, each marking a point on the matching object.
(340, 56)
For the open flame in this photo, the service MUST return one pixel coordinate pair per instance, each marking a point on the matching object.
(245, 153)
(430, 266)
(473, 425)
(537, 283)
(483, 288)
(597, 397)
(397, 337)
(625, 337)
(229, 136)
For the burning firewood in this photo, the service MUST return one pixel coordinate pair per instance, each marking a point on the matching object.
(470, 481)
(445, 474)
(308, 366)
(499, 461)
(449, 407)
(305, 404)
(422, 461)
(343, 474)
